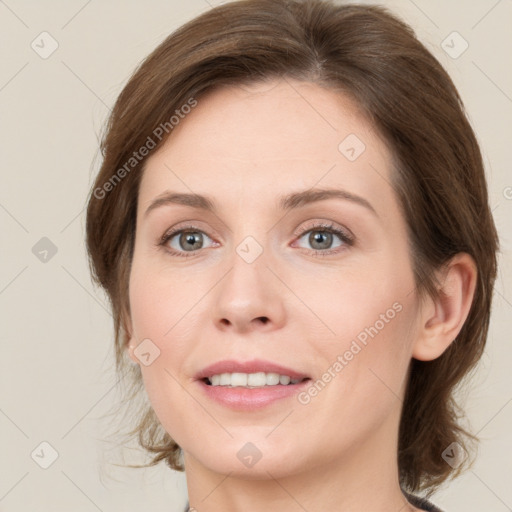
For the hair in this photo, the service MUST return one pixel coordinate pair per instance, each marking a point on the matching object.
(372, 57)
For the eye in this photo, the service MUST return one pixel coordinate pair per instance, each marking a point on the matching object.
(325, 238)
(186, 240)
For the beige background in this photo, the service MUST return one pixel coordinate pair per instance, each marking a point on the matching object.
(56, 372)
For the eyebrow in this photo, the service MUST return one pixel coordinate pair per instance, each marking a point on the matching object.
(192, 200)
(286, 202)
(302, 198)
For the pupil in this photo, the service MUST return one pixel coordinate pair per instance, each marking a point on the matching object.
(192, 238)
(321, 238)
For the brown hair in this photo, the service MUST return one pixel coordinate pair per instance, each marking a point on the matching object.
(370, 55)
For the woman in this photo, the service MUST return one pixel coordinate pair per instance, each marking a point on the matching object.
(292, 223)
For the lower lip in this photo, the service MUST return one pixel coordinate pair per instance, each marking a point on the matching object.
(246, 399)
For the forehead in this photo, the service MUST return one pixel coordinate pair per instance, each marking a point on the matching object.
(263, 139)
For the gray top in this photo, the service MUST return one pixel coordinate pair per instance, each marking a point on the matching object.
(422, 503)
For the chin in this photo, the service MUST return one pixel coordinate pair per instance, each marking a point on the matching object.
(251, 460)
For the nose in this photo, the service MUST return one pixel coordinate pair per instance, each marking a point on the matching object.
(249, 298)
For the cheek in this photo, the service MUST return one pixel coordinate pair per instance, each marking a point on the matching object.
(160, 301)
(370, 314)
(359, 301)
(157, 315)
(363, 372)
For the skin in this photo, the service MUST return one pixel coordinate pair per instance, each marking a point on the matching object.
(244, 147)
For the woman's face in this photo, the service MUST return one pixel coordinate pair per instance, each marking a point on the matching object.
(273, 277)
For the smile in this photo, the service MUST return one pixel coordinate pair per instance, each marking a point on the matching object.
(251, 380)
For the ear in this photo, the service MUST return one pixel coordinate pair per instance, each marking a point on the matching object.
(442, 319)
(129, 341)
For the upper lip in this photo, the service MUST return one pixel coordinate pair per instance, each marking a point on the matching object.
(253, 366)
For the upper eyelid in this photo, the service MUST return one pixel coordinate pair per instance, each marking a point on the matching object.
(316, 224)
(327, 225)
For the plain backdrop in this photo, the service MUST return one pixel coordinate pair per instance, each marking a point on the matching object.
(63, 63)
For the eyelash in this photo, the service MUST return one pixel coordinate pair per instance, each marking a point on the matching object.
(346, 238)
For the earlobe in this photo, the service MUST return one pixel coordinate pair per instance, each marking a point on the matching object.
(443, 317)
(130, 347)
(129, 340)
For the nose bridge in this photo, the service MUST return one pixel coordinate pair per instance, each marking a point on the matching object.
(248, 295)
(247, 279)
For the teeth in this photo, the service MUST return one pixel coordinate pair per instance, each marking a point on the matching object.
(251, 380)
(257, 379)
(238, 379)
(284, 380)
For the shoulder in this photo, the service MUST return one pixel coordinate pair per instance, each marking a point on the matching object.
(414, 500)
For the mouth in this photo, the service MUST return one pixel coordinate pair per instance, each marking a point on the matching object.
(253, 374)
(250, 385)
